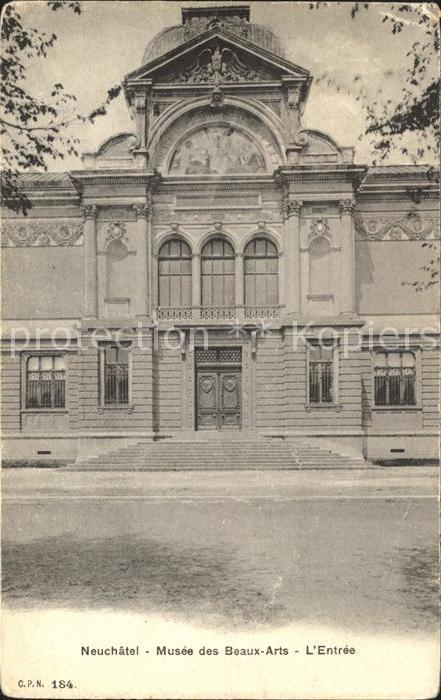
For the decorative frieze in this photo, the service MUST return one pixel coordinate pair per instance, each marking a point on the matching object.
(411, 228)
(210, 217)
(41, 234)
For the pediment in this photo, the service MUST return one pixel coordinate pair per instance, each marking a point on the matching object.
(216, 57)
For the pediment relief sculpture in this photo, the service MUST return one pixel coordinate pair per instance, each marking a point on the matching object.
(215, 65)
(217, 150)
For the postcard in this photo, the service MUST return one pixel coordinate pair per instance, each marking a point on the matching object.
(220, 350)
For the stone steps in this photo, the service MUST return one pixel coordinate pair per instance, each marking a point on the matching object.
(187, 455)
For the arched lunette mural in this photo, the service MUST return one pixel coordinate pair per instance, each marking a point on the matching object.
(217, 150)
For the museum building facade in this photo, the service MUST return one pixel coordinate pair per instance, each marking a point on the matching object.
(221, 268)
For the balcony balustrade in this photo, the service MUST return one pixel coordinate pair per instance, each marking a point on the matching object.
(219, 313)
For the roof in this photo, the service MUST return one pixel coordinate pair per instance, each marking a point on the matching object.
(392, 170)
(65, 181)
(234, 19)
(47, 181)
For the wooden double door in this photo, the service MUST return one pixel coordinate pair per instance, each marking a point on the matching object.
(218, 399)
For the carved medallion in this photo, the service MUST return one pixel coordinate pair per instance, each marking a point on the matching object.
(319, 227)
(116, 232)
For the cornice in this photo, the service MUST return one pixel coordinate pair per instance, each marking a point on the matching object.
(391, 195)
(347, 172)
(226, 86)
(115, 177)
(43, 202)
(226, 184)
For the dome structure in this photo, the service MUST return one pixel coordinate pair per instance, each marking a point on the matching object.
(198, 20)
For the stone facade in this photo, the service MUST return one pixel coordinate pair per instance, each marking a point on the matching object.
(223, 223)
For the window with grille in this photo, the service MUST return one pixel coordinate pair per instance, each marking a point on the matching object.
(218, 356)
(321, 374)
(175, 274)
(217, 274)
(261, 269)
(395, 379)
(46, 382)
(116, 375)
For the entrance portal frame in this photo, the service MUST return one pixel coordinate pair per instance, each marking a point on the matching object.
(217, 338)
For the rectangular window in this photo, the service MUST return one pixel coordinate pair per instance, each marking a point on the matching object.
(395, 379)
(46, 381)
(116, 375)
(321, 373)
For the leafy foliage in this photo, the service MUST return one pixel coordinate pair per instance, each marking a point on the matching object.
(34, 130)
(410, 125)
(431, 270)
(416, 112)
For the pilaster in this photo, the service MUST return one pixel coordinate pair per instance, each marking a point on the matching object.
(292, 214)
(196, 280)
(90, 263)
(143, 234)
(239, 283)
(347, 275)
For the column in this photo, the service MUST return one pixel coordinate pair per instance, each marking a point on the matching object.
(293, 210)
(196, 282)
(347, 276)
(143, 250)
(239, 284)
(90, 263)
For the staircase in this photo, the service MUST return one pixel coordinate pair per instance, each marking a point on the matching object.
(216, 454)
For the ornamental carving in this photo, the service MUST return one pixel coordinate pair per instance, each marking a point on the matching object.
(216, 150)
(197, 25)
(347, 206)
(41, 234)
(319, 227)
(116, 232)
(214, 66)
(89, 212)
(413, 228)
(292, 207)
(142, 211)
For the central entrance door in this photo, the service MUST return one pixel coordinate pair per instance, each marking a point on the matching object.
(218, 388)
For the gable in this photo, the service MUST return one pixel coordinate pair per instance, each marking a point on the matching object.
(213, 57)
(218, 63)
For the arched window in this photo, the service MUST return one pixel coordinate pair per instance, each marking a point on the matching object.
(175, 274)
(217, 271)
(261, 266)
(320, 273)
(116, 279)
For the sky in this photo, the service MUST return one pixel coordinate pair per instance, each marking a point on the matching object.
(96, 49)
